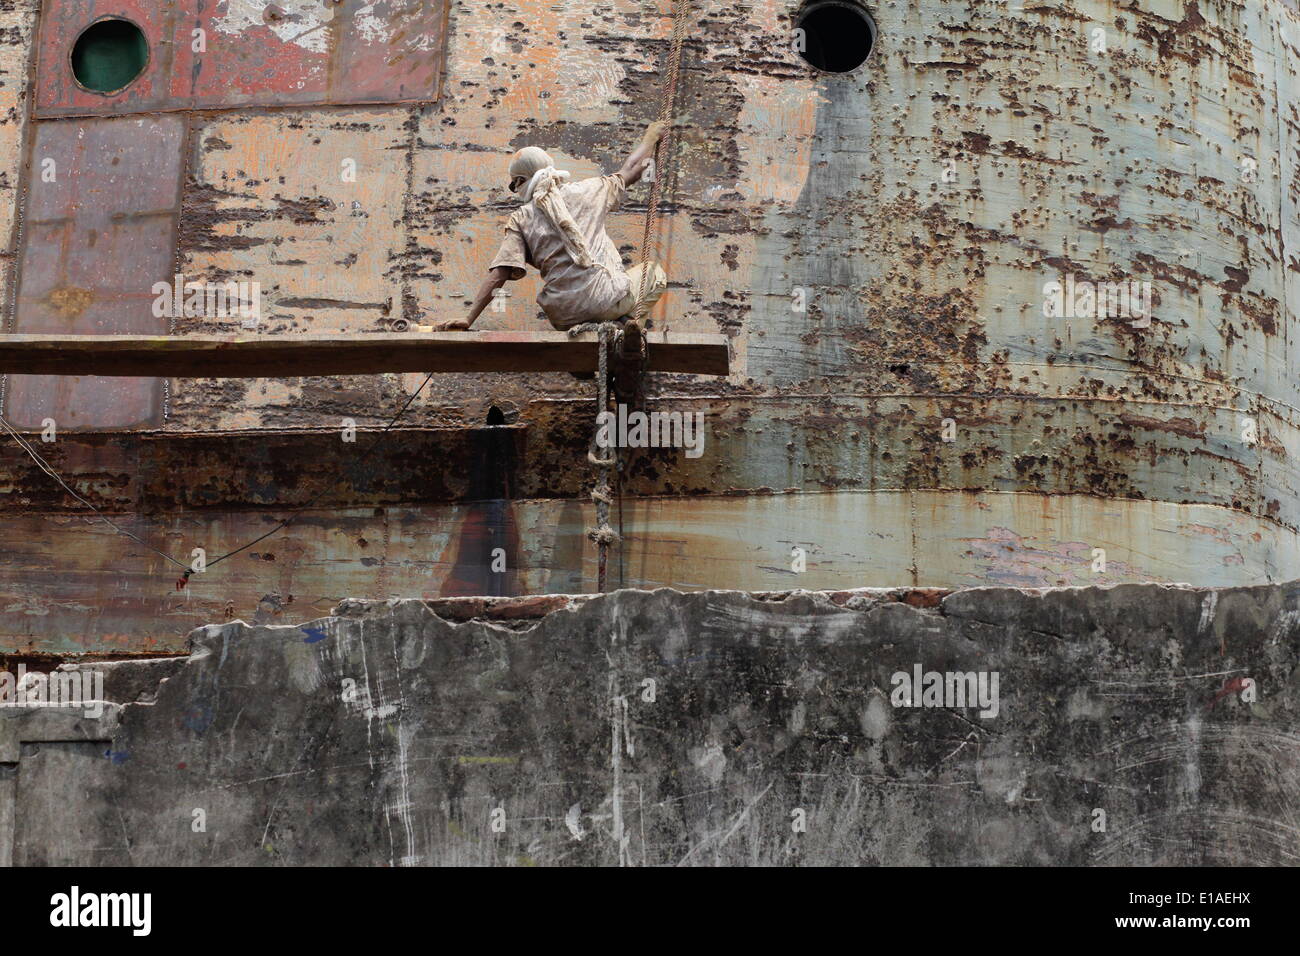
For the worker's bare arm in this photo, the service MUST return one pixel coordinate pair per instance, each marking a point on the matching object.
(635, 165)
(496, 279)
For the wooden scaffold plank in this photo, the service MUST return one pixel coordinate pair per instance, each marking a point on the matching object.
(291, 356)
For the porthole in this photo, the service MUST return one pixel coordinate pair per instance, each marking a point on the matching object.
(109, 55)
(836, 36)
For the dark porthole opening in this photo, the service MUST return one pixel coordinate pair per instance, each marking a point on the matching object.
(837, 35)
(495, 416)
(109, 55)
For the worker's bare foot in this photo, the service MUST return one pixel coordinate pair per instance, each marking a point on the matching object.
(451, 325)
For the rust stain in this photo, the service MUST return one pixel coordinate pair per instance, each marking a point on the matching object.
(70, 301)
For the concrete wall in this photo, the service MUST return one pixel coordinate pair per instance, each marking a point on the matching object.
(693, 726)
(1170, 158)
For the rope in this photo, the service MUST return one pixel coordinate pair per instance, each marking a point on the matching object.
(603, 535)
(666, 107)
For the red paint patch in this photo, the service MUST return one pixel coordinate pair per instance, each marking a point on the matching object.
(392, 55)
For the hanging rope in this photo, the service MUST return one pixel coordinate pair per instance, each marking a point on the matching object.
(667, 107)
(603, 535)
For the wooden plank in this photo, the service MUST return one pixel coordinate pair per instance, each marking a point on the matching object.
(290, 356)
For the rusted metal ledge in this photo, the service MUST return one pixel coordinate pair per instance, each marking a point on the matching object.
(289, 356)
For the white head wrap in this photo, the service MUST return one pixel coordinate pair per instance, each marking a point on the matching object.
(543, 189)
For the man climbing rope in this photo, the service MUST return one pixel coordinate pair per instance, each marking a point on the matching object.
(560, 229)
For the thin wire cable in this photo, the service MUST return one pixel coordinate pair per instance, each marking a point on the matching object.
(45, 467)
(49, 470)
(328, 488)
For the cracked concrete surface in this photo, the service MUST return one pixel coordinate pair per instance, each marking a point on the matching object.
(662, 728)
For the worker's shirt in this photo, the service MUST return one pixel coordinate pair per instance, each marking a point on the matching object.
(570, 294)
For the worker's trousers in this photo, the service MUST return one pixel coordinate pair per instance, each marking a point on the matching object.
(654, 288)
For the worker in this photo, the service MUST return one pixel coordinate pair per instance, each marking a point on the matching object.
(560, 229)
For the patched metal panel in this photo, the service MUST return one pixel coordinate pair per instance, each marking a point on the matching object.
(101, 218)
(249, 53)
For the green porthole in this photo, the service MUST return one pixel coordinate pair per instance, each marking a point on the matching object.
(109, 54)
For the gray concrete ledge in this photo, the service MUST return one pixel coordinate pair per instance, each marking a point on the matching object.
(667, 728)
